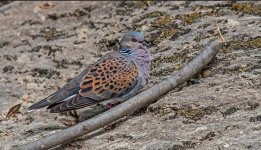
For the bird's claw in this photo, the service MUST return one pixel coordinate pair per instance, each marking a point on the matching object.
(111, 104)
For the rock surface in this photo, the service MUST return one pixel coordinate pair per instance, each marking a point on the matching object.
(42, 46)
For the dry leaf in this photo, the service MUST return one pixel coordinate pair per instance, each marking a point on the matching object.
(46, 5)
(13, 110)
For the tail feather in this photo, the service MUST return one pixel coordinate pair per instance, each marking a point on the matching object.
(70, 89)
(74, 102)
(39, 104)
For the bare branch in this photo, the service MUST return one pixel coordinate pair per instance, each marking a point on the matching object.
(10, 5)
(142, 99)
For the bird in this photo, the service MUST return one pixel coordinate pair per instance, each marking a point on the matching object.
(114, 78)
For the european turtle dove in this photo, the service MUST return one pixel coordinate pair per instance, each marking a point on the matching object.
(114, 78)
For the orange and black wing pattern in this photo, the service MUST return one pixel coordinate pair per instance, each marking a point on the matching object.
(109, 78)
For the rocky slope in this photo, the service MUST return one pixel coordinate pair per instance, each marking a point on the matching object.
(42, 46)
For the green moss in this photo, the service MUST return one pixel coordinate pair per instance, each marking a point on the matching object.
(163, 109)
(163, 72)
(162, 22)
(239, 69)
(137, 4)
(126, 7)
(189, 112)
(206, 73)
(167, 32)
(165, 28)
(180, 32)
(255, 42)
(249, 8)
(189, 18)
(166, 110)
(162, 34)
(245, 44)
(50, 32)
(74, 13)
(177, 60)
(163, 25)
(196, 113)
(176, 57)
(215, 7)
(143, 4)
(150, 15)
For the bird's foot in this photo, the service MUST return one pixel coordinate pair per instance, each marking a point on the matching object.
(109, 105)
(74, 114)
(112, 104)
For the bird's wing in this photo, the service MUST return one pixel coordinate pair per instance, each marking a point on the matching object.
(110, 77)
(71, 88)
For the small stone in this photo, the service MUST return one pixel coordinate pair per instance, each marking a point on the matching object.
(23, 59)
(226, 145)
(206, 73)
(144, 28)
(82, 33)
(32, 85)
(158, 144)
(232, 22)
(257, 71)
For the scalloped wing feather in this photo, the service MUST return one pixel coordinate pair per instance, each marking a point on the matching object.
(109, 78)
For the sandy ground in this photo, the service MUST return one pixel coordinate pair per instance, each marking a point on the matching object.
(43, 47)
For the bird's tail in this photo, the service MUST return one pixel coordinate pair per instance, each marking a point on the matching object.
(39, 104)
(50, 100)
(71, 103)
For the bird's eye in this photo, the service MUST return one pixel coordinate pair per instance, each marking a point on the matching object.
(134, 40)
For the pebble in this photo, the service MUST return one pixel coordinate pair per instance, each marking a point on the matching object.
(232, 22)
(23, 59)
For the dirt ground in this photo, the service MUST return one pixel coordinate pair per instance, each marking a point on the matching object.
(44, 46)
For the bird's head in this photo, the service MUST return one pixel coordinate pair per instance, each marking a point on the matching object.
(132, 40)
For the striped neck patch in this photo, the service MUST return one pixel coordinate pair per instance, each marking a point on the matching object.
(125, 51)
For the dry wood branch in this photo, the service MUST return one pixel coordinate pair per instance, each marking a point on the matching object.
(10, 5)
(144, 98)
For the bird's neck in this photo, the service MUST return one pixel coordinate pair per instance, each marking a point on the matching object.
(142, 57)
(125, 51)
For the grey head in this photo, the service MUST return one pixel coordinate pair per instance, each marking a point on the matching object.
(132, 40)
